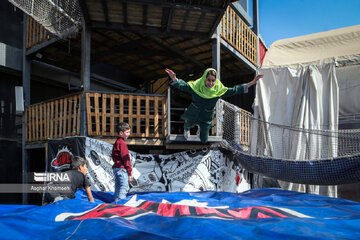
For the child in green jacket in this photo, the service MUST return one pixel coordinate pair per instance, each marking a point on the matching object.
(205, 92)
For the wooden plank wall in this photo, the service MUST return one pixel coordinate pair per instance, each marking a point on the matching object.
(234, 31)
(245, 120)
(53, 119)
(145, 114)
(160, 86)
(35, 33)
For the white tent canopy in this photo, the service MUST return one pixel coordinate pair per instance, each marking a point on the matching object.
(300, 88)
(342, 44)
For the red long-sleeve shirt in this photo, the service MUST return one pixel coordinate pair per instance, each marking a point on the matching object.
(120, 155)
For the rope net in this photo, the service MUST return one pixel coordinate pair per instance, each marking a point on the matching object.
(309, 156)
(60, 17)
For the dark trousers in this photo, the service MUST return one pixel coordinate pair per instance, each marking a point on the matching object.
(204, 129)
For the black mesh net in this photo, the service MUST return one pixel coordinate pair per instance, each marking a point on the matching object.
(310, 156)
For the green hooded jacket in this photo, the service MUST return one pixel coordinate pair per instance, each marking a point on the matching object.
(201, 110)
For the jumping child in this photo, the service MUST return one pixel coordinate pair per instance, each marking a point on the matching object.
(205, 92)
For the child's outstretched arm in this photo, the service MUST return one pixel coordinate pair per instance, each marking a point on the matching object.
(89, 194)
(178, 83)
(172, 75)
(243, 88)
(254, 81)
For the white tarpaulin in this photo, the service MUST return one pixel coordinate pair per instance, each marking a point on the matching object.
(349, 89)
(301, 89)
(302, 97)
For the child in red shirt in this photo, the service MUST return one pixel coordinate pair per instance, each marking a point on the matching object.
(122, 165)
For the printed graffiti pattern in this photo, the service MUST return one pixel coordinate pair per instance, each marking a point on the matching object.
(174, 210)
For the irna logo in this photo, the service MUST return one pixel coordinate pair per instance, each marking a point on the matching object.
(51, 177)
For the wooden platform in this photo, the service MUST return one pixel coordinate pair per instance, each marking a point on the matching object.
(192, 138)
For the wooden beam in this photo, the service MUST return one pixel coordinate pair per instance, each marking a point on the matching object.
(175, 50)
(201, 19)
(147, 30)
(145, 13)
(197, 45)
(123, 47)
(124, 8)
(169, 21)
(164, 17)
(185, 19)
(105, 10)
(176, 5)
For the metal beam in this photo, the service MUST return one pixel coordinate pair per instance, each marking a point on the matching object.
(26, 78)
(221, 14)
(40, 46)
(85, 75)
(176, 5)
(216, 54)
(255, 27)
(85, 12)
(237, 55)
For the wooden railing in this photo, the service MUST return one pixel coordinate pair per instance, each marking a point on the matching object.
(35, 33)
(53, 119)
(147, 115)
(236, 123)
(234, 31)
(245, 119)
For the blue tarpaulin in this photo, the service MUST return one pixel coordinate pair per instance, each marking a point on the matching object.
(258, 213)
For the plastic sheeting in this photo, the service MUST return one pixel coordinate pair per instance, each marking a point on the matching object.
(255, 214)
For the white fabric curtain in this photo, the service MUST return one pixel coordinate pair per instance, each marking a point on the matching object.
(303, 97)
